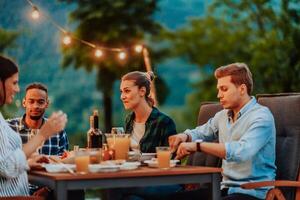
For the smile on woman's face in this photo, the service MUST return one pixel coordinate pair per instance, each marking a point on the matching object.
(131, 95)
(11, 88)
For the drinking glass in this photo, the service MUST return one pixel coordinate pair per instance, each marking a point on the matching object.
(34, 132)
(120, 143)
(163, 157)
(82, 160)
(117, 130)
(95, 155)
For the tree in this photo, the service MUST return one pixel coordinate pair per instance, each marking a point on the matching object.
(7, 39)
(119, 23)
(261, 33)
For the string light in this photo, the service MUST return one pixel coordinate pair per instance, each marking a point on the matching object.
(138, 48)
(35, 14)
(122, 55)
(68, 38)
(98, 53)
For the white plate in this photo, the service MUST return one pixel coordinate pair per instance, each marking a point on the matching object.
(55, 168)
(103, 168)
(130, 165)
(154, 163)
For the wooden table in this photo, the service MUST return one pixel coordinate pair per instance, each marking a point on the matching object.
(144, 176)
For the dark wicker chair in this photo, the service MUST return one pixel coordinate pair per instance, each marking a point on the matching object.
(286, 111)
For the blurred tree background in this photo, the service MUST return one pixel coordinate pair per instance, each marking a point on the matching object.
(185, 47)
(7, 41)
(264, 34)
(118, 23)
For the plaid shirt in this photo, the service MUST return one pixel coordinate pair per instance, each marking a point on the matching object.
(55, 145)
(158, 128)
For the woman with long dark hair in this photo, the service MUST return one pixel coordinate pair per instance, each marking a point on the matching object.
(16, 159)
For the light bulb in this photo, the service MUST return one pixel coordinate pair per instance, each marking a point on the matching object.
(98, 53)
(138, 48)
(122, 55)
(67, 40)
(35, 14)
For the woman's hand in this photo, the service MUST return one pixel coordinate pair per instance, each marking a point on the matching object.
(55, 123)
(36, 161)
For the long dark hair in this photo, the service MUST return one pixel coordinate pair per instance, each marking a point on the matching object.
(8, 68)
(142, 79)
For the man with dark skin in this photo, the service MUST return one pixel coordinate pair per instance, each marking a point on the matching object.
(35, 103)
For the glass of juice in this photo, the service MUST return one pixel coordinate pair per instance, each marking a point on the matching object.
(163, 157)
(95, 155)
(122, 143)
(82, 161)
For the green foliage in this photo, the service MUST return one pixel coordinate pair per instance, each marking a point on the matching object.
(77, 139)
(7, 40)
(265, 35)
(108, 23)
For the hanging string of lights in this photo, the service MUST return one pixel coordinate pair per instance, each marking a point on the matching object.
(68, 37)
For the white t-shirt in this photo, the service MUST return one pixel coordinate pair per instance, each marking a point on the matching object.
(136, 136)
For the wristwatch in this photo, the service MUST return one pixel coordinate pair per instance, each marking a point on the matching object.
(198, 145)
(188, 137)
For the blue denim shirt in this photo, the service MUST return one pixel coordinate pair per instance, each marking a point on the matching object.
(249, 144)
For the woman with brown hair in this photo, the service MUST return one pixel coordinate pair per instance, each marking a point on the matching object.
(149, 128)
(16, 159)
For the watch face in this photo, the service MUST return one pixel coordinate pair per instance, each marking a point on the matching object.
(199, 141)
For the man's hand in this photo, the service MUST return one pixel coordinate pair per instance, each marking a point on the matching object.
(185, 149)
(175, 140)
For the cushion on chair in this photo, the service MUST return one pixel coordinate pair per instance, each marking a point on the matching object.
(286, 112)
(207, 110)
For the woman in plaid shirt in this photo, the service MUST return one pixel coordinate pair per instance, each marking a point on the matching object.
(148, 127)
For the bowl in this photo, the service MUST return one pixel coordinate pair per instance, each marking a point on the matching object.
(147, 156)
(154, 163)
(134, 155)
(130, 165)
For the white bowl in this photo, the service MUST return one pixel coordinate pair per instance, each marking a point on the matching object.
(147, 156)
(134, 155)
(130, 165)
(154, 163)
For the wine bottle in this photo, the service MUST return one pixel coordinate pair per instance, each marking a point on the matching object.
(94, 135)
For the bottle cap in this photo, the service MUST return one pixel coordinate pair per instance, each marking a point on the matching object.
(95, 112)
